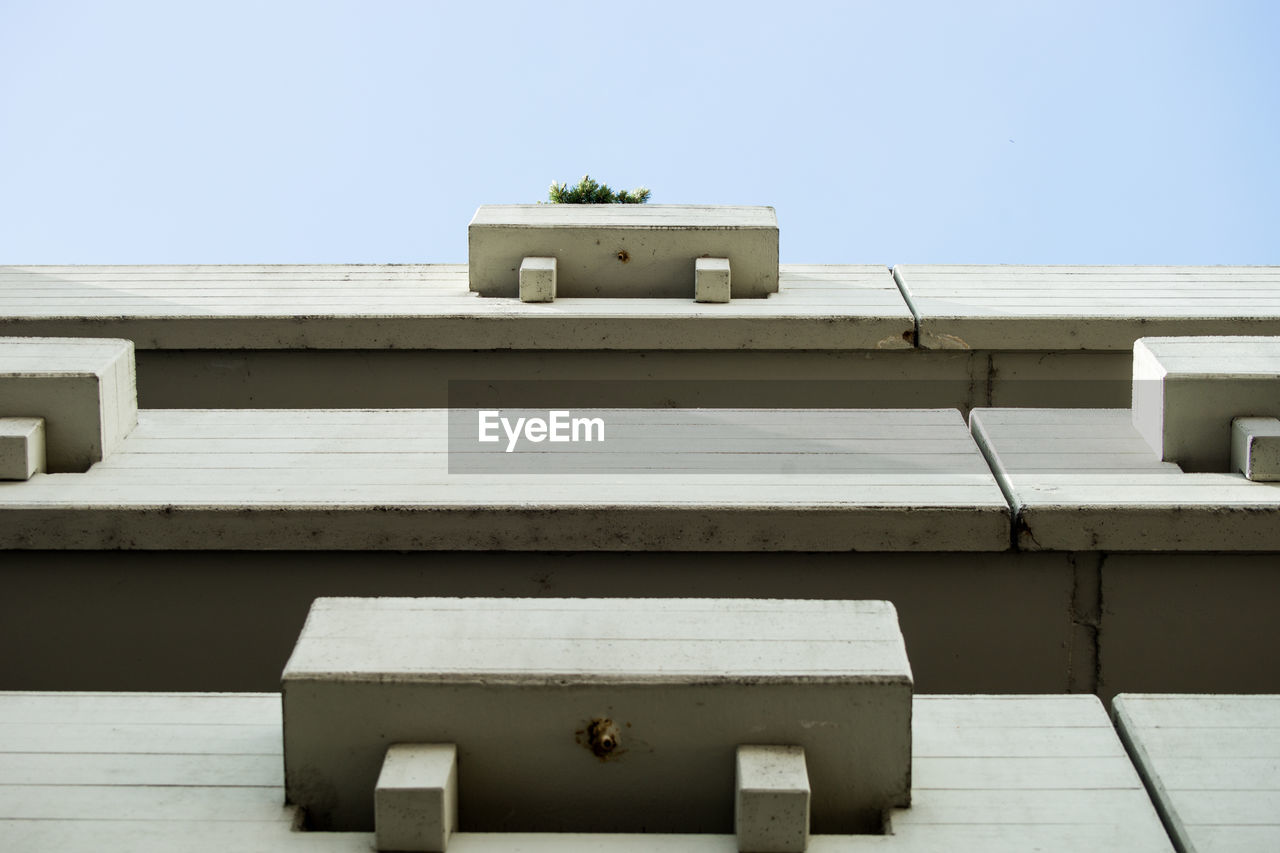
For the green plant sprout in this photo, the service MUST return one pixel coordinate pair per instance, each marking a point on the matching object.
(589, 191)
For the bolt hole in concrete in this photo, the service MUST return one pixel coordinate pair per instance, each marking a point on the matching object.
(603, 738)
(624, 255)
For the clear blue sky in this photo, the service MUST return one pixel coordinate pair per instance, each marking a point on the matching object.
(1018, 132)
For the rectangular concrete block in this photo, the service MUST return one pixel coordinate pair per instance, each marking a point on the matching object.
(416, 799)
(711, 282)
(771, 810)
(538, 280)
(599, 715)
(21, 448)
(84, 388)
(623, 250)
(1187, 390)
(1255, 448)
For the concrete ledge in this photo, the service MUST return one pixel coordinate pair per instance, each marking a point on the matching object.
(428, 307)
(599, 715)
(1210, 764)
(83, 388)
(623, 250)
(1086, 480)
(1187, 390)
(21, 448)
(1010, 307)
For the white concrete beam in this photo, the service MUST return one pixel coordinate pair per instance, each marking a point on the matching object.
(84, 388)
(622, 250)
(567, 713)
(1186, 391)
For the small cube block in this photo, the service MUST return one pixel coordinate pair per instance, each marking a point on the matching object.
(771, 807)
(538, 280)
(416, 798)
(711, 280)
(21, 447)
(1255, 448)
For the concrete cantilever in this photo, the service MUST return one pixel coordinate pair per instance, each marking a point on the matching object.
(580, 714)
(84, 388)
(623, 250)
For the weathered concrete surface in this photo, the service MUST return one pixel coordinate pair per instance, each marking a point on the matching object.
(1255, 448)
(22, 451)
(138, 620)
(577, 714)
(416, 797)
(424, 307)
(1211, 765)
(1190, 623)
(983, 306)
(1187, 390)
(609, 250)
(398, 378)
(997, 774)
(538, 280)
(372, 480)
(1086, 480)
(771, 809)
(712, 280)
(83, 388)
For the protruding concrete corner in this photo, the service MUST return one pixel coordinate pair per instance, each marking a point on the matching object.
(538, 280)
(21, 448)
(711, 281)
(623, 250)
(567, 713)
(1255, 448)
(1187, 390)
(85, 389)
(771, 800)
(416, 798)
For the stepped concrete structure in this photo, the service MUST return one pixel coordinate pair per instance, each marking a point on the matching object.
(967, 447)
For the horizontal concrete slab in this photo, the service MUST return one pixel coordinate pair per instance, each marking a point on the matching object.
(569, 713)
(1210, 763)
(429, 307)
(357, 480)
(981, 783)
(983, 306)
(1085, 479)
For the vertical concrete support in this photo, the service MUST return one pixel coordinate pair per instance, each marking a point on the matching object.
(84, 389)
(711, 280)
(21, 447)
(1255, 448)
(416, 798)
(771, 803)
(538, 280)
